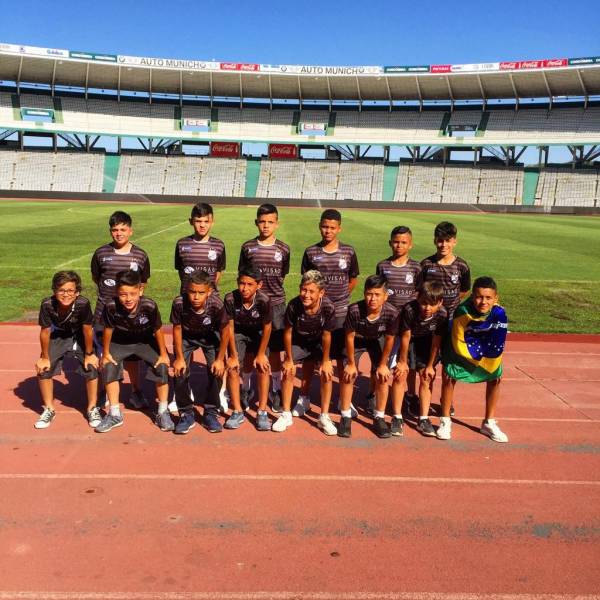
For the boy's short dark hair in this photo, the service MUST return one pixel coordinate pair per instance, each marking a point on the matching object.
(376, 282)
(399, 230)
(202, 209)
(130, 278)
(266, 209)
(430, 293)
(331, 214)
(119, 218)
(250, 272)
(200, 278)
(61, 277)
(484, 282)
(444, 231)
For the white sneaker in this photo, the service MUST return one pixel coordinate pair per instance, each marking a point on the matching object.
(491, 429)
(301, 407)
(45, 419)
(284, 421)
(326, 425)
(224, 400)
(444, 431)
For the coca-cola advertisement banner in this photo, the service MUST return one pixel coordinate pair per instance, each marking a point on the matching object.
(440, 68)
(225, 149)
(283, 151)
(230, 66)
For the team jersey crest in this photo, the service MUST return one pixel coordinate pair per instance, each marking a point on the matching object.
(212, 254)
(278, 256)
(409, 278)
(133, 266)
(343, 263)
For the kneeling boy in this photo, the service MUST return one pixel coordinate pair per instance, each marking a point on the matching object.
(473, 354)
(66, 328)
(132, 329)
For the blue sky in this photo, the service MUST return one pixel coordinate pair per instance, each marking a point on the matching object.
(310, 32)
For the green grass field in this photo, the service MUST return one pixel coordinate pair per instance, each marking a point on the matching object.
(547, 267)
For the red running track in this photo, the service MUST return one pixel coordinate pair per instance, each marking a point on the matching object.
(244, 515)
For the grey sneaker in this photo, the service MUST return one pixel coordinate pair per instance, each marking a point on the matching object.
(424, 427)
(235, 420)
(109, 422)
(94, 417)
(301, 407)
(164, 421)
(138, 400)
(45, 419)
(397, 427)
(262, 421)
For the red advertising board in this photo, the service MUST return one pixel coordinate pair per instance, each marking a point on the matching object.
(556, 62)
(531, 64)
(239, 67)
(283, 151)
(225, 149)
(441, 68)
(510, 66)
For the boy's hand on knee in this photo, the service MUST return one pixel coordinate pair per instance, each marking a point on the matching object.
(163, 359)
(42, 365)
(261, 363)
(233, 363)
(107, 359)
(289, 369)
(401, 372)
(218, 368)
(350, 373)
(90, 361)
(179, 367)
(429, 373)
(382, 373)
(327, 370)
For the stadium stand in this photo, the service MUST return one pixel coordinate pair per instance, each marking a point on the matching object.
(562, 187)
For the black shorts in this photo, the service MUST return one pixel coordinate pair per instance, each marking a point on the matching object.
(247, 344)
(374, 348)
(277, 327)
(302, 351)
(146, 351)
(66, 346)
(419, 350)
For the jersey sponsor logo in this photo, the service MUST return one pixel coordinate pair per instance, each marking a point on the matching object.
(206, 321)
(186, 248)
(106, 258)
(189, 270)
(343, 263)
(212, 254)
(110, 282)
(143, 320)
(391, 292)
(133, 266)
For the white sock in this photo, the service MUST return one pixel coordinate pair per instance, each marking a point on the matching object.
(445, 420)
(423, 418)
(276, 380)
(397, 416)
(287, 413)
(247, 380)
(162, 407)
(346, 413)
(379, 414)
(115, 410)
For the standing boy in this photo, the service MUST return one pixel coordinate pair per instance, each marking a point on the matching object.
(271, 257)
(309, 322)
(473, 354)
(370, 327)
(250, 316)
(132, 329)
(199, 321)
(66, 329)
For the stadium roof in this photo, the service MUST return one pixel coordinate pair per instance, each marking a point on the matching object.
(478, 81)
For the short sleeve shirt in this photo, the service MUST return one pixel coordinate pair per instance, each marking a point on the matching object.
(410, 319)
(71, 323)
(385, 324)
(105, 265)
(272, 261)
(337, 267)
(210, 320)
(308, 328)
(454, 278)
(192, 255)
(248, 319)
(403, 281)
(133, 327)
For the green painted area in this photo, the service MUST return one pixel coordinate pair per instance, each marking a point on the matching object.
(530, 181)
(444, 125)
(214, 120)
(295, 123)
(177, 118)
(58, 111)
(390, 179)
(485, 117)
(112, 163)
(16, 107)
(331, 123)
(252, 175)
(540, 290)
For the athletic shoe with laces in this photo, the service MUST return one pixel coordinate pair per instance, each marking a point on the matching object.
(353, 411)
(491, 429)
(326, 425)
(283, 422)
(444, 431)
(164, 421)
(381, 428)
(45, 419)
(424, 427)
(235, 420)
(246, 397)
(211, 422)
(262, 421)
(344, 429)
(301, 407)
(186, 421)
(109, 422)
(138, 401)
(275, 400)
(370, 401)
(397, 427)
(94, 417)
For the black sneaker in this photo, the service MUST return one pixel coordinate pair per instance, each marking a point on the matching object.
(344, 429)
(411, 401)
(186, 422)
(397, 427)
(381, 428)
(275, 399)
(424, 427)
(212, 423)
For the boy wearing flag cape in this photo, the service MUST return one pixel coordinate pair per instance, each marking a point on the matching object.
(473, 354)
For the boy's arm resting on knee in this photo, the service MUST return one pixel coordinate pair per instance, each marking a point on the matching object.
(288, 360)
(106, 355)
(90, 359)
(326, 366)
(401, 369)
(43, 362)
(218, 366)
(179, 362)
(233, 361)
(261, 361)
(436, 342)
(163, 358)
(350, 371)
(383, 371)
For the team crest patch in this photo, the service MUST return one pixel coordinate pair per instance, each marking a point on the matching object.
(255, 314)
(409, 278)
(189, 270)
(143, 320)
(206, 321)
(343, 263)
(212, 254)
(278, 256)
(110, 282)
(454, 277)
(133, 266)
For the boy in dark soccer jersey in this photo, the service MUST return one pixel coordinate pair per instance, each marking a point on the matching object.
(199, 321)
(370, 327)
(271, 257)
(250, 316)
(309, 322)
(423, 322)
(109, 260)
(66, 329)
(132, 329)
(338, 264)
(200, 251)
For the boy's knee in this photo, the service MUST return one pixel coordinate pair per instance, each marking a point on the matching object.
(162, 373)
(90, 373)
(111, 373)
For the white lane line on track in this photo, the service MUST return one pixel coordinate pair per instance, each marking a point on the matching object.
(282, 477)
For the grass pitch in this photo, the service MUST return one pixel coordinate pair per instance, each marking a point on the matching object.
(547, 267)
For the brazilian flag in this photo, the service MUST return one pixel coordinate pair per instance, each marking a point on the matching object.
(473, 351)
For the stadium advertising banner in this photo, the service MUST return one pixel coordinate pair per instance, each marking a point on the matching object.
(228, 66)
(320, 70)
(283, 151)
(34, 50)
(586, 60)
(407, 69)
(92, 56)
(225, 149)
(168, 63)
